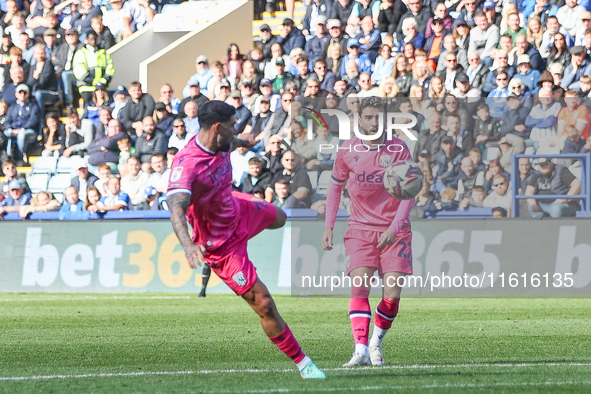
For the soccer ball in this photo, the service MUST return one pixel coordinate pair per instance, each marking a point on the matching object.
(403, 179)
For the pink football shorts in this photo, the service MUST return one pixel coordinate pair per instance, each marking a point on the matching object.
(231, 262)
(361, 251)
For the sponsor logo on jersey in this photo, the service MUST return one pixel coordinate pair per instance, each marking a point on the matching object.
(176, 174)
(240, 279)
(385, 160)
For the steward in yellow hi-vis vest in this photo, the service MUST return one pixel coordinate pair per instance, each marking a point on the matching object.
(91, 66)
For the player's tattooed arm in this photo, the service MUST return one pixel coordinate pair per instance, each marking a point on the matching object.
(179, 203)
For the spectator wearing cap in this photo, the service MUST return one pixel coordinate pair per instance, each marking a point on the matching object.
(22, 121)
(527, 75)
(440, 12)
(585, 24)
(314, 10)
(17, 198)
(570, 16)
(552, 179)
(489, 8)
(360, 59)
(266, 88)
(337, 36)
(202, 76)
(167, 98)
(105, 38)
(136, 109)
(484, 37)
(243, 115)
(137, 13)
(119, 100)
(82, 19)
(290, 37)
(316, 44)
(282, 77)
(578, 67)
(52, 43)
(463, 89)
(259, 121)
(249, 96)
(267, 39)
(195, 96)
(434, 44)
(83, 178)
(92, 65)
(64, 65)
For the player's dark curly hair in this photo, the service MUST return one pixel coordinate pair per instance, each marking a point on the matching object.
(213, 112)
(374, 102)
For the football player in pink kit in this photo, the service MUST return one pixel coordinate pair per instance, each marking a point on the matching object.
(379, 236)
(200, 191)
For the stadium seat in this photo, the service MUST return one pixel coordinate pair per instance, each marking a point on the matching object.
(313, 175)
(45, 165)
(38, 182)
(576, 171)
(323, 183)
(491, 153)
(529, 150)
(59, 197)
(548, 150)
(65, 165)
(58, 183)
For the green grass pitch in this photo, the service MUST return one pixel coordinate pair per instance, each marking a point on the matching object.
(181, 344)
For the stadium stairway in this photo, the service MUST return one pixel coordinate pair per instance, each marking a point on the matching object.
(275, 20)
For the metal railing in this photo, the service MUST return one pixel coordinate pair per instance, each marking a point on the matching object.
(584, 195)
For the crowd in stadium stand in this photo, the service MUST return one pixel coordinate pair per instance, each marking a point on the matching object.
(485, 80)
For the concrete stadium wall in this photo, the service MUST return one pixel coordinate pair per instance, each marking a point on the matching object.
(165, 51)
(175, 63)
(520, 257)
(127, 55)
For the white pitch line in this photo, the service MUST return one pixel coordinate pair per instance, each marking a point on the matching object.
(291, 370)
(400, 387)
(91, 298)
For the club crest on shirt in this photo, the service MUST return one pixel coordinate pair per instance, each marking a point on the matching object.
(385, 160)
(240, 279)
(176, 174)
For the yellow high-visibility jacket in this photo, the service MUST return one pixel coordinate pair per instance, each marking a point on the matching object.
(92, 67)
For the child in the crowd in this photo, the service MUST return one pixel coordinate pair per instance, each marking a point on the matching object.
(475, 200)
(447, 203)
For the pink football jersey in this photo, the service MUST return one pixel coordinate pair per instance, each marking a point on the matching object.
(207, 176)
(372, 208)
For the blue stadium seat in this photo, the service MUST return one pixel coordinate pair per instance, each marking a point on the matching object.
(65, 165)
(45, 165)
(472, 213)
(58, 183)
(313, 175)
(38, 182)
(323, 182)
